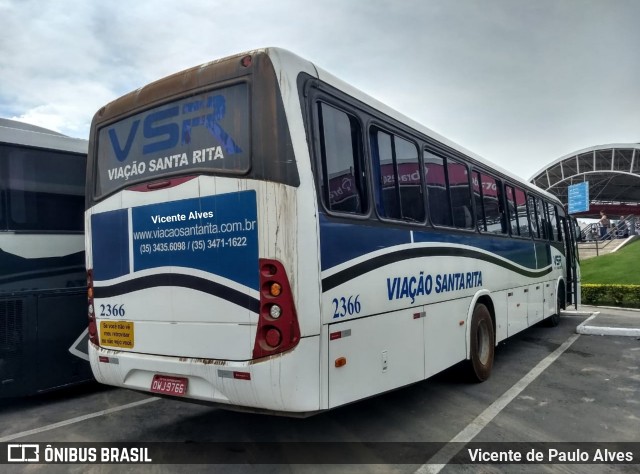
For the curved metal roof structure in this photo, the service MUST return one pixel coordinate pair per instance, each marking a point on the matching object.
(26, 126)
(20, 133)
(613, 173)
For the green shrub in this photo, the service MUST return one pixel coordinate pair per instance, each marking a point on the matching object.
(626, 296)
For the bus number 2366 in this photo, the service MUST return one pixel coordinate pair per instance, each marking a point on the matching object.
(346, 306)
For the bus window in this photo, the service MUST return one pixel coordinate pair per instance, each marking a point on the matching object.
(523, 221)
(438, 195)
(399, 176)
(449, 192)
(553, 219)
(481, 220)
(490, 204)
(344, 188)
(211, 130)
(458, 180)
(531, 203)
(544, 219)
(511, 209)
(390, 204)
(409, 180)
(39, 184)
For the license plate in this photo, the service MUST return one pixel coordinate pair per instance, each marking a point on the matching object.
(116, 334)
(176, 386)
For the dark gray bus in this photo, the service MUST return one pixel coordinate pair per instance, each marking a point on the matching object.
(43, 299)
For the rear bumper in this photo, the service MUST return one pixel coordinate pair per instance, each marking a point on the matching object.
(288, 382)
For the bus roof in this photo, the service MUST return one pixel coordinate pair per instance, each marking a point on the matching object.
(323, 75)
(20, 133)
(291, 65)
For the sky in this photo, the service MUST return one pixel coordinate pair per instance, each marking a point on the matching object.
(519, 82)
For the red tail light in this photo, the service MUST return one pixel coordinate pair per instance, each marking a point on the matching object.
(93, 328)
(278, 328)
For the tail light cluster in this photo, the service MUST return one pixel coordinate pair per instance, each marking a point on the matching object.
(278, 328)
(93, 327)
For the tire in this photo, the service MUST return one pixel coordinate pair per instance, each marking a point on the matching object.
(482, 344)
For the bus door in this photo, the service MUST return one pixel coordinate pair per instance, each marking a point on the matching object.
(571, 256)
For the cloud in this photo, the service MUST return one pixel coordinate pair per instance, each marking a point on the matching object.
(518, 82)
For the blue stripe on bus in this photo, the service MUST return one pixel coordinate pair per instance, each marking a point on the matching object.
(342, 242)
(183, 281)
(380, 261)
(110, 244)
(216, 234)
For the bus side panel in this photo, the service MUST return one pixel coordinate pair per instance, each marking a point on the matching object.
(499, 300)
(57, 331)
(382, 353)
(549, 298)
(535, 303)
(445, 338)
(517, 304)
(36, 335)
(18, 346)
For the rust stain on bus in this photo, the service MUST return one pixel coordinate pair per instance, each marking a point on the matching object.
(191, 80)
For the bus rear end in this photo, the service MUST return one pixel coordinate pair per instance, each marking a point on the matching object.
(192, 219)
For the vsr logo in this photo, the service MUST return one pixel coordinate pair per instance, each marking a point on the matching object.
(159, 135)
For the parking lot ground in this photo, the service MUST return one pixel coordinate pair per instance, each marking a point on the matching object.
(549, 385)
(606, 321)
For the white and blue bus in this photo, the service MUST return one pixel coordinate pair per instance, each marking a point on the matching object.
(263, 236)
(43, 291)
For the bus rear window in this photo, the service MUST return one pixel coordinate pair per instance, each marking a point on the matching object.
(208, 132)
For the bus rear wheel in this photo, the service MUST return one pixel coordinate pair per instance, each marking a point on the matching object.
(482, 344)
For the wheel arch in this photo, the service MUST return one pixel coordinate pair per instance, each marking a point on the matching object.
(482, 297)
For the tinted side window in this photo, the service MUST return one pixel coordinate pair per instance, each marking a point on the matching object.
(409, 180)
(449, 191)
(344, 188)
(491, 190)
(45, 189)
(511, 210)
(458, 179)
(523, 221)
(389, 201)
(553, 220)
(531, 204)
(561, 228)
(437, 192)
(544, 219)
(400, 191)
(481, 220)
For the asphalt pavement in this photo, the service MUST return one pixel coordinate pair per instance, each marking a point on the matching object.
(610, 321)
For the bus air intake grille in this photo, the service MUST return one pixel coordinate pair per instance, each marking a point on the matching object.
(11, 328)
